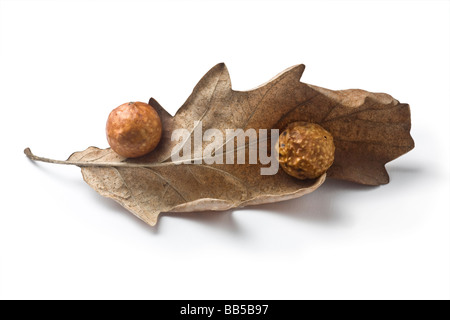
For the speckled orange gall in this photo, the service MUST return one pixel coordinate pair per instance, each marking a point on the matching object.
(133, 129)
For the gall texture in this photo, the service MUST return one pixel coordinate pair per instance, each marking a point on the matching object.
(306, 150)
(133, 129)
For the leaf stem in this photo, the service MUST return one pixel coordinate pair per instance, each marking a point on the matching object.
(194, 161)
(33, 157)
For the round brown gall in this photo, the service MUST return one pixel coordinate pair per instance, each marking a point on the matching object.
(306, 150)
(133, 129)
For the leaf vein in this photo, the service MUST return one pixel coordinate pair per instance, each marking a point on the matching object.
(361, 111)
(167, 181)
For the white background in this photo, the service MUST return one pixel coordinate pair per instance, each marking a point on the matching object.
(64, 65)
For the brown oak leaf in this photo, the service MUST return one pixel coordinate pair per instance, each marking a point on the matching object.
(369, 130)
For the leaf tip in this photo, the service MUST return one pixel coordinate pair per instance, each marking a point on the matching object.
(150, 218)
(293, 73)
(384, 177)
(152, 101)
(222, 68)
(161, 111)
(378, 178)
(152, 221)
(297, 70)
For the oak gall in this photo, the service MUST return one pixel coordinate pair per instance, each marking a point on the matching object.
(306, 150)
(133, 129)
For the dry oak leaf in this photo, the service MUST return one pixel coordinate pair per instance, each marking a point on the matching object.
(369, 129)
